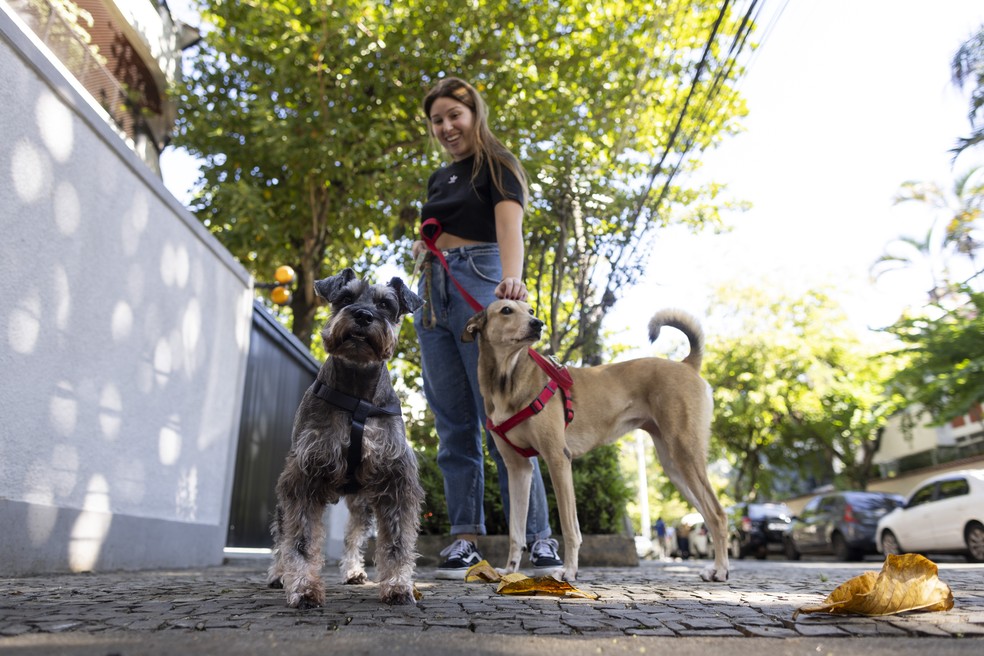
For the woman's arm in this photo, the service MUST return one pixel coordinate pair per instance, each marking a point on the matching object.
(509, 234)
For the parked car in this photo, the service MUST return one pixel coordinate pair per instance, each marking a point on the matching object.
(699, 539)
(839, 523)
(945, 514)
(757, 529)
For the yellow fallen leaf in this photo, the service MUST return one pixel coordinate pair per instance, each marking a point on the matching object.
(482, 572)
(906, 583)
(518, 584)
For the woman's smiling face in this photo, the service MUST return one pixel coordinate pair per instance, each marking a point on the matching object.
(453, 125)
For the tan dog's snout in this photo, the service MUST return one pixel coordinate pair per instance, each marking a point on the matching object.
(506, 321)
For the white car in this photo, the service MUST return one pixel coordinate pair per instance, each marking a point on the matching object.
(945, 514)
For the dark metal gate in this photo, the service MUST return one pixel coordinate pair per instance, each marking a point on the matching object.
(278, 371)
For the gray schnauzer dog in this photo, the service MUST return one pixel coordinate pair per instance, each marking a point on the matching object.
(349, 440)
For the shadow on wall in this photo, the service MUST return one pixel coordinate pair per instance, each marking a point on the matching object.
(124, 343)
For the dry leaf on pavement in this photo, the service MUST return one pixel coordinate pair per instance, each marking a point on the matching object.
(906, 583)
(482, 572)
(518, 584)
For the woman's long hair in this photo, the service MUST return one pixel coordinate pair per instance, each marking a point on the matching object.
(488, 148)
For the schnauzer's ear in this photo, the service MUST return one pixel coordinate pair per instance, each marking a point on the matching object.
(409, 301)
(329, 286)
(474, 326)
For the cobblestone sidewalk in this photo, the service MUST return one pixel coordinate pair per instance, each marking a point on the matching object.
(654, 599)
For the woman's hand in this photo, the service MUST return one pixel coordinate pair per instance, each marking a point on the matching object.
(511, 288)
(418, 249)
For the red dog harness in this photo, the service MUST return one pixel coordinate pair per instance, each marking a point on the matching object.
(559, 378)
(430, 230)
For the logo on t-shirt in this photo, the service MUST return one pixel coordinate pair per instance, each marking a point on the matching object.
(452, 179)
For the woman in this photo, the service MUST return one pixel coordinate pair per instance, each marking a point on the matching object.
(478, 199)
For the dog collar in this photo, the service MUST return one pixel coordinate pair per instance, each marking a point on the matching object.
(360, 410)
(560, 379)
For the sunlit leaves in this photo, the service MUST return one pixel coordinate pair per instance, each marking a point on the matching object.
(797, 396)
(317, 105)
(945, 372)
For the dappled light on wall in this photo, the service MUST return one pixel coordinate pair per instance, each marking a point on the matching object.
(63, 409)
(243, 327)
(133, 225)
(186, 500)
(122, 321)
(175, 266)
(110, 411)
(62, 294)
(162, 362)
(91, 527)
(55, 126)
(169, 441)
(68, 209)
(28, 171)
(191, 332)
(24, 325)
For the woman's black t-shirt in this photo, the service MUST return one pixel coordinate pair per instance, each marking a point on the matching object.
(466, 207)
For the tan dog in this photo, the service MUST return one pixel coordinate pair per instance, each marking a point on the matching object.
(667, 399)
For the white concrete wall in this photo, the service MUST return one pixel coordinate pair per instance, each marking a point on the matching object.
(124, 332)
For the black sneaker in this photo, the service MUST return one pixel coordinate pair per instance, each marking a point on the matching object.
(461, 555)
(544, 557)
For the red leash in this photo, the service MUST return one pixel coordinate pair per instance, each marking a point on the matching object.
(430, 230)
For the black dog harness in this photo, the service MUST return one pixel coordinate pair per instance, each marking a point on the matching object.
(360, 410)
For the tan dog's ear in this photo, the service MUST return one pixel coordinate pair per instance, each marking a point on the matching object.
(475, 325)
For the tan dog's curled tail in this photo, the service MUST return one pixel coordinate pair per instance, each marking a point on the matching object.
(686, 324)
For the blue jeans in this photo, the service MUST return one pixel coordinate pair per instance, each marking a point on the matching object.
(450, 372)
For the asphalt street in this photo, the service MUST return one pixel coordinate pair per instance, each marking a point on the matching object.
(657, 606)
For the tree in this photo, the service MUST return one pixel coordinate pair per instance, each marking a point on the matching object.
(945, 359)
(799, 399)
(309, 138)
(315, 154)
(967, 66)
(954, 235)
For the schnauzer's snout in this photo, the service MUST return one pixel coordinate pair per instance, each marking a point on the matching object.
(362, 316)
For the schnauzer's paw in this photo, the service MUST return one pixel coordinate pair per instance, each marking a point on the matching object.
(304, 603)
(569, 574)
(306, 594)
(398, 596)
(357, 578)
(275, 579)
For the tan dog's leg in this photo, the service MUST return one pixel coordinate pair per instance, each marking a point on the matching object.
(689, 475)
(562, 479)
(520, 471)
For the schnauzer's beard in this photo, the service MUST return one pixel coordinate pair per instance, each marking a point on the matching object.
(344, 338)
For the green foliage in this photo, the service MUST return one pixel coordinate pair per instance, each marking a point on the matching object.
(601, 490)
(599, 486)
(307, 118)
(951, 239)
(945, 359)
(799, 400)
(968, 67)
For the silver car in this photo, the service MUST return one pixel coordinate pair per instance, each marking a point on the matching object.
(945, 514)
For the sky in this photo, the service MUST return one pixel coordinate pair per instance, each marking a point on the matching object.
(847, 99)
